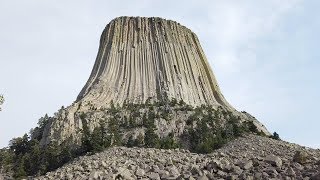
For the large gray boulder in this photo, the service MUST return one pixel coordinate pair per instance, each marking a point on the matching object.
(274, 160)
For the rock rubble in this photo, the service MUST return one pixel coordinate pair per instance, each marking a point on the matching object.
(250, 157)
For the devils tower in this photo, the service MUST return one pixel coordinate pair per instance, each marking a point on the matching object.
(141, 58)
(152, 90)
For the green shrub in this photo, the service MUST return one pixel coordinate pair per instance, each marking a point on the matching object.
(173, 102)
(151, 139)
(168, 142)
(130, 142)
(275, 136)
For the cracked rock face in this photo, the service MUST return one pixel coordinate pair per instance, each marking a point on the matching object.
(141, 58)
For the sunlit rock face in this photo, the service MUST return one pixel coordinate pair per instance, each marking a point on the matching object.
(141, 58)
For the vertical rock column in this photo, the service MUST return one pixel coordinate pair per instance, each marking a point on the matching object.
(141, 58)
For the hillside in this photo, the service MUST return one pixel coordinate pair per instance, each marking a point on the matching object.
(249, 157)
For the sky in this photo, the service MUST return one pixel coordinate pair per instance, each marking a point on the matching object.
(264, 54)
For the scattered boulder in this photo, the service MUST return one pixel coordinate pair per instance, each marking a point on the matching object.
(203, 177)
(140, 172)
(94, 175)
(153, 176)
(274, 160)
(290, 172)
(173, 171)
(195, 170)
(300, 157)
(315, 177)
(125, 173)
(237, 170)
(232, 177)
(246, 164)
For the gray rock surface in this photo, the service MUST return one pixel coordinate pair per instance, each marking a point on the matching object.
(257, 157)
(141, 58)
(274, 160)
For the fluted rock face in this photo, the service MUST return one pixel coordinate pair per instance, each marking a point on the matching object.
(141, 58)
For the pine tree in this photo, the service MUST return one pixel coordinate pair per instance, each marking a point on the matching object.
(66, 155)
(275, 136)
(20, 172)
(86, 144)
(151, 139)
(130, 142)
(96, 140)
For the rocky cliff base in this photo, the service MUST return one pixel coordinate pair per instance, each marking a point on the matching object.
(250, 157)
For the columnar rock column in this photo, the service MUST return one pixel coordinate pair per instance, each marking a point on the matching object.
(141, 58)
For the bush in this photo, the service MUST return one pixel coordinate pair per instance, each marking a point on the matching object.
(275, 136)
(151, 139)
(169, 142)
(173, 102)
(130, 142)
(252, 127)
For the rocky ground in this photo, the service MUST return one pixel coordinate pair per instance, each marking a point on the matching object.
(250, 157)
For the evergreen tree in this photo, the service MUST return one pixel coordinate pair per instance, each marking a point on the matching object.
(132, 122)
(19, 145)
(151, 139)
(173, 102)
(19, 171)
(35, 158)
(86, 144)
(66, 155)
(169, 142)
(275, 136)
(96, 140)
(43, 121)
(181, 103)
(130, 142)
(51, 154)
(27, 163)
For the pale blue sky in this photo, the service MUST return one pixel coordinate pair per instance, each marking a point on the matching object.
(264, 54)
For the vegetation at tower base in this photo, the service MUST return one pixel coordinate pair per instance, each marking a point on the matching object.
(207, 129)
